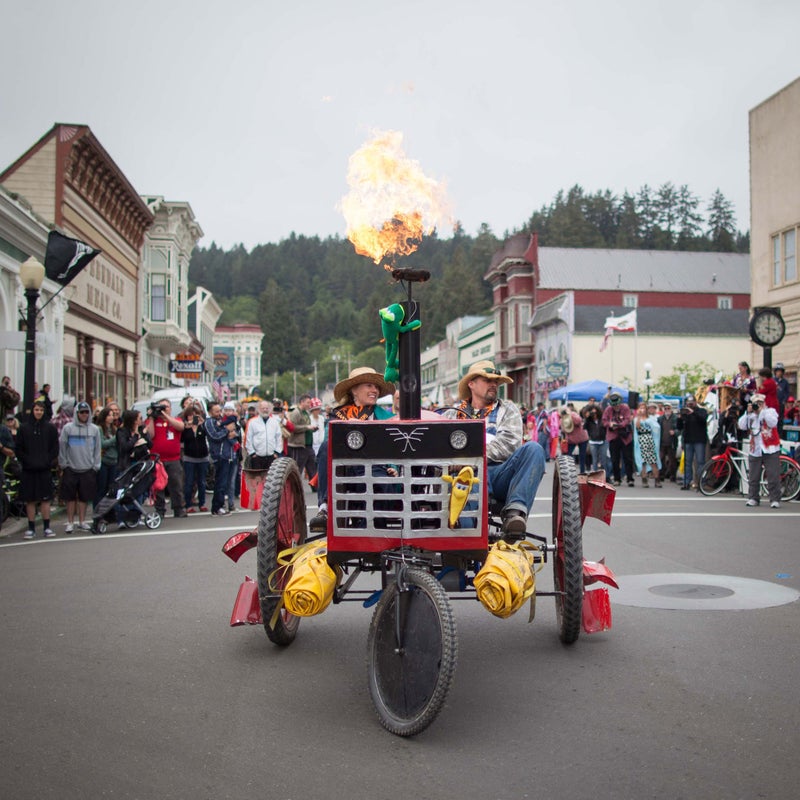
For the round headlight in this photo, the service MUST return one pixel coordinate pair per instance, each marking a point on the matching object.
(458, 440)
(355, 440)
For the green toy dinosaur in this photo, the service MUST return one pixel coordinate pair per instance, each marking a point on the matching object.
(392, 326)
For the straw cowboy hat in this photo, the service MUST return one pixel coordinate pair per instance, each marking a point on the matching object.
(341, 391)
(480, 369)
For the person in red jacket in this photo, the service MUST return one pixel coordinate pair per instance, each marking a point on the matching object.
(164, 432)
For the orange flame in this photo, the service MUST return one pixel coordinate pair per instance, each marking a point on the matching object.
(391, 204)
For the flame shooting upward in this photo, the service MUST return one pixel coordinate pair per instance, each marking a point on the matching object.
(391, 204)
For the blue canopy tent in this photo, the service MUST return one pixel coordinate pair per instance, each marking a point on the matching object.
(584, 390)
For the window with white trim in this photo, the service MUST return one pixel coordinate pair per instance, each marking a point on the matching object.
(784, 257)
(630, 300)
(724, 302)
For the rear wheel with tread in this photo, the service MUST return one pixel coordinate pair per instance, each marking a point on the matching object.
(568, 557)
(411, 653)
(281, 525)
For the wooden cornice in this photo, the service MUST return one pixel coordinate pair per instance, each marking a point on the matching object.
(91, 172)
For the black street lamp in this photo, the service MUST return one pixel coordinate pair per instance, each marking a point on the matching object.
(31, 273)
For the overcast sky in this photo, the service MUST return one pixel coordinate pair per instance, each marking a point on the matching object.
(250, 110)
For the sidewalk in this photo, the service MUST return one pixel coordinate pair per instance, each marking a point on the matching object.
(13, 528)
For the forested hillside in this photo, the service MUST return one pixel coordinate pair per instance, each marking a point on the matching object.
(315, 298)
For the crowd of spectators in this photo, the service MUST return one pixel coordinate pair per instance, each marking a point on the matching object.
(74, 454)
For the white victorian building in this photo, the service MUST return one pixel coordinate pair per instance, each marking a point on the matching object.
(24, 234)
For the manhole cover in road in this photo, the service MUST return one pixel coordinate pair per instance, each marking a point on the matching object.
(693, 592)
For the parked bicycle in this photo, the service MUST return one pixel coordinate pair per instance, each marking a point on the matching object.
(716, 474)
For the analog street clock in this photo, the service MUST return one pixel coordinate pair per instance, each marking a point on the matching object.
(767, 327)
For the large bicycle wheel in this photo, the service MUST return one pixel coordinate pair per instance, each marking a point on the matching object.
(714, 476)
(411, 653)
(282, 525)
(568, 556)
(790, 478)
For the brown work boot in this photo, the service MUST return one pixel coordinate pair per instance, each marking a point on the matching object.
(515, 522)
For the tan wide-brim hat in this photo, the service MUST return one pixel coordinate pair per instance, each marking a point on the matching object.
(342, 390)
(480, 369)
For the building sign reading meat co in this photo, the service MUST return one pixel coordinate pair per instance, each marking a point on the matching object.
(106, 290)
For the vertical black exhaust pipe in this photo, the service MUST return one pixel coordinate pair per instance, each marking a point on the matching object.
(410, 380)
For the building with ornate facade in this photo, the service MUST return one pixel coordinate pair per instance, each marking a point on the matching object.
(72, 183)
(237, 357)
(164, 290)
(775, 218)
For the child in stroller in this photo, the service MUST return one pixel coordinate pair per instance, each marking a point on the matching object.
(124, 498)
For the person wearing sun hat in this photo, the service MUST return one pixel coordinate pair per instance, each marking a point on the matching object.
(515, 469)
(357, 398)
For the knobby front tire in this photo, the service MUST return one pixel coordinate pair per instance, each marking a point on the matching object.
(568, 555)
(281, 525)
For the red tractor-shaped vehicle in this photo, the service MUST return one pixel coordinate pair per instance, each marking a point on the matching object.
(425, 529)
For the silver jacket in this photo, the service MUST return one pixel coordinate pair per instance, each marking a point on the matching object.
(503, 437)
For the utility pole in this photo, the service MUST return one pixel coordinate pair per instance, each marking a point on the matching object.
(316, 384)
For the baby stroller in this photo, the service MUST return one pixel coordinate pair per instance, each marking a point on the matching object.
(132, 484)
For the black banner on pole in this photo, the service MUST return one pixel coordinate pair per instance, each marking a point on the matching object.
(66, 257)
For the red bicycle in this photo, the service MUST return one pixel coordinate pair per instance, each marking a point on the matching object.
(716, 474)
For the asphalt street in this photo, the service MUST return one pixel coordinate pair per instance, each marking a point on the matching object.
(121, 677)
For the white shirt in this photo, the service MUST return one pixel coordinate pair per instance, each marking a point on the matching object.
(752, 422)
(264, 436)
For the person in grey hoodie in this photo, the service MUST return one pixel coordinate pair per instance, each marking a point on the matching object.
(79, 456)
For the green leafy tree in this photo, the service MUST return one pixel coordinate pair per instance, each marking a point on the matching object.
(242, 308)
(695, 375)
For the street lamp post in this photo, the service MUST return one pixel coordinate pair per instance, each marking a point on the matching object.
(31, 273)
(648, 381)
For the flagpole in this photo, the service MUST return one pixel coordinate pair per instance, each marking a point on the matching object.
(52, 297)
(611, 379)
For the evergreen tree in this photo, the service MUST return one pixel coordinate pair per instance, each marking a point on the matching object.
(666, 204)
(689, 220)
(721, 224)
(628, 224)
(647, 211)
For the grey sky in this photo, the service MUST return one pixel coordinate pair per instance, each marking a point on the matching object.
(249, 110)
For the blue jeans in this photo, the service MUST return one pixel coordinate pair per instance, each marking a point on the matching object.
(599, 455)
(693, 451)
(195, 473)
(580, 459)
(233, 484)
(222, 476)
(514, 482)
(544, 443)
